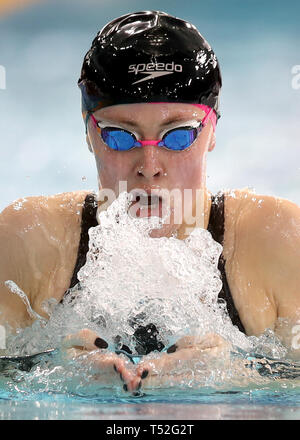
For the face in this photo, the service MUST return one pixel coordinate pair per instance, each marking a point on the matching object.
(178, 177)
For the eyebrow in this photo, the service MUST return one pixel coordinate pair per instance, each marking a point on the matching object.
(132, 123)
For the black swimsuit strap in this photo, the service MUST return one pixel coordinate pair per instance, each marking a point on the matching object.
(88, 220)
(216, 227)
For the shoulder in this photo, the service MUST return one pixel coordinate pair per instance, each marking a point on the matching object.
(39, 239)
(268, 217)
(29, 210)
(42, 228)
(267, 236)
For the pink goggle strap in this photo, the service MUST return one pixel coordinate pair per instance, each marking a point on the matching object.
(210, 114)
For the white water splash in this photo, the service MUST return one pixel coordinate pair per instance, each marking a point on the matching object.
(131, 279)
(14, 288)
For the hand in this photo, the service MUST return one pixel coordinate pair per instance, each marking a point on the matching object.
(89, 348)
(183, 360)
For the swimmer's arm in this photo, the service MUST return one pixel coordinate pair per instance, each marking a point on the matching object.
(288, 331)
(13, 266)
(39, 239)
(281, 251)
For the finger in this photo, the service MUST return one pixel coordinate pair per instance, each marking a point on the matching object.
(145, 369)
(108, 364)
(208, 341)
(74, 353)
(113, 364)
(156, 372)
(168, 364)
(189, 342)
(85, 339)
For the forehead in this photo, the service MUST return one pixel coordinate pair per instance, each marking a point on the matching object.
(139, 114)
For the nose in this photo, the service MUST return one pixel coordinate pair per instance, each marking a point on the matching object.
(149, 165)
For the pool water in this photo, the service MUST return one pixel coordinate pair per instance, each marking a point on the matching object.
(50, 391)
(248, 404)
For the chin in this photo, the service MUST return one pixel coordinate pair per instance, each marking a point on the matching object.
(165, 231)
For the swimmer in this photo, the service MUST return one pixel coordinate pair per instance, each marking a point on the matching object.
(150, 88)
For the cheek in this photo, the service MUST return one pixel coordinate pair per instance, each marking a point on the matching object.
(112, 167)
(188, 171)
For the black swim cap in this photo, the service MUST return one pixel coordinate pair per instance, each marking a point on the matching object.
(149, 56)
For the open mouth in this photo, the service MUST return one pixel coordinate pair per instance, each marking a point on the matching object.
(147, 205)
(149, 200)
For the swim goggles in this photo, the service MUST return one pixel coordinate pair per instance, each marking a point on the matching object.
(176, 139)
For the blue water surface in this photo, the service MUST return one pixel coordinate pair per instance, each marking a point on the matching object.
(48, 391)
(169, 405)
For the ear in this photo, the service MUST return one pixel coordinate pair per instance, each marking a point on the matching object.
(212, 142)
(89, 143)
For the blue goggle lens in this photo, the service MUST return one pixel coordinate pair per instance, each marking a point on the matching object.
(180, 139)
(116, 139)
(121, 140)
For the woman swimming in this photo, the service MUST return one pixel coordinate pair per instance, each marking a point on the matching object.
(150, 102)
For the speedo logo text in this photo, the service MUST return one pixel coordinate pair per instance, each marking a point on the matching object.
(154, 70)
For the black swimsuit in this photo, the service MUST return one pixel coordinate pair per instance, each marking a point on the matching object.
(147, 336)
